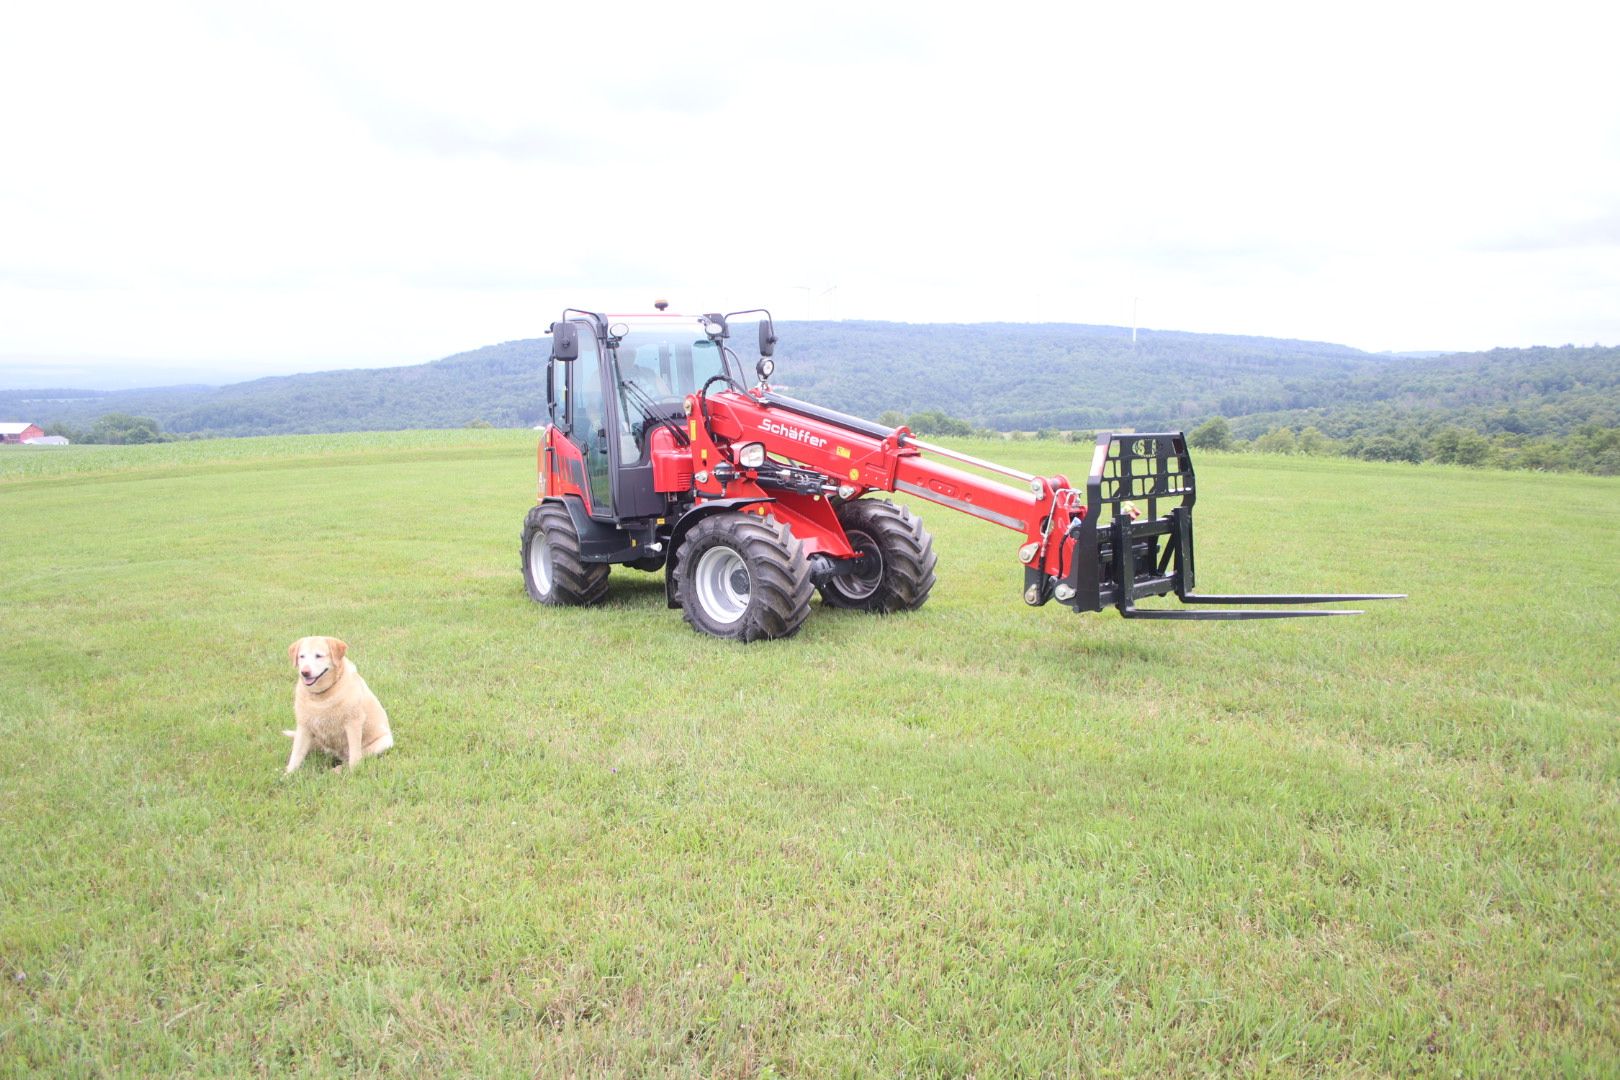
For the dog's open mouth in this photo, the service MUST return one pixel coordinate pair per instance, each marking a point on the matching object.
(311, 680)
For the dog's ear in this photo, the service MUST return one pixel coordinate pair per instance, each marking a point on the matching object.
(337, 648)
(292, 651)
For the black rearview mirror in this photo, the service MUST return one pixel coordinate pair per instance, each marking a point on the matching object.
(565, 341)
(767, 338)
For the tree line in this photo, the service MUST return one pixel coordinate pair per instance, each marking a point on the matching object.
(1518, 408)
(1590, 448)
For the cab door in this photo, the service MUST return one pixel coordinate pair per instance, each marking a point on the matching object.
(581, 410)
(594, 425)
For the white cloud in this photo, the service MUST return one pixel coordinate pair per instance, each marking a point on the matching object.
(307, 185)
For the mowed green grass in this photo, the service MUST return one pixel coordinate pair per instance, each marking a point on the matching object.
(975, 840)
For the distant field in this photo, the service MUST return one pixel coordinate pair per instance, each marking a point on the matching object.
(975, 840)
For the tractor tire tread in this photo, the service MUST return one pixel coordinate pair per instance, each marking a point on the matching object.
(908, 557)
(575, 582)
(778, 570)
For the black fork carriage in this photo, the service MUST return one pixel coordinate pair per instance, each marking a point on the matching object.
(1126, 554)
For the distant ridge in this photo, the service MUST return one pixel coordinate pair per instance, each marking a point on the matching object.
(1006, 376)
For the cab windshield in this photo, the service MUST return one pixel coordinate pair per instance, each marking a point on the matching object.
(666, 365)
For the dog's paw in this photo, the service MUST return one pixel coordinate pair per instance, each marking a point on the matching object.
(290, 734)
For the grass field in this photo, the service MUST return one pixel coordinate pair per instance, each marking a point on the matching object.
(977, 840)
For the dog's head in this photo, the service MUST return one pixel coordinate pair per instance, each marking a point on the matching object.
(317, 658)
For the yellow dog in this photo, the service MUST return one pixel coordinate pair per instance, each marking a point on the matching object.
(335, 709)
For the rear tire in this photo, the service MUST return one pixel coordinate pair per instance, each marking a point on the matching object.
(743, 577)
(553, 571)
(900, 571)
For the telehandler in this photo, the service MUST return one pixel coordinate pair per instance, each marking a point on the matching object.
(659, 456)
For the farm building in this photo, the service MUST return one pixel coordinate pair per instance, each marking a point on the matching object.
(16, 432)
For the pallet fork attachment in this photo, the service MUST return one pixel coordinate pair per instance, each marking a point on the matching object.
(1132, 555)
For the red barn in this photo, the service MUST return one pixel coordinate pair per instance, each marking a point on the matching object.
(16, 433)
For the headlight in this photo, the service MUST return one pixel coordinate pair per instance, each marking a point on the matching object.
(751, 455)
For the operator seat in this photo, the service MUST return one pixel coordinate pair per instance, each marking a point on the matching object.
(651, 384)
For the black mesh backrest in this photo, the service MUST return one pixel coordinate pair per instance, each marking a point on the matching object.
(1139, 468)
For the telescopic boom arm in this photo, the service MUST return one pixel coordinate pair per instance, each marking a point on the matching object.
(1086, 547)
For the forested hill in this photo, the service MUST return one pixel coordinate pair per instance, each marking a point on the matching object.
(1506, 391)
(502, 385)
(1008, 376)
(1016, 376)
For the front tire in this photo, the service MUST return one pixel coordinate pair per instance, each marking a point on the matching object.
(743, 577)
(898, 555)
(553, 571)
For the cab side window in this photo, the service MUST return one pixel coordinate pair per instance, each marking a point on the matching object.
(586, 375)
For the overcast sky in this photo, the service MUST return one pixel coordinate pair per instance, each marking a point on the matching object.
(292, 187)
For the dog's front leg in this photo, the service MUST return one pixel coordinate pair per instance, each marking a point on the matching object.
(301, 745)
(355, 731)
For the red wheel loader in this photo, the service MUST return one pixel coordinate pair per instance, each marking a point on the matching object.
(659, 455)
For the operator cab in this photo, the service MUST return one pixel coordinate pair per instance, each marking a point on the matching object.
(612, 379)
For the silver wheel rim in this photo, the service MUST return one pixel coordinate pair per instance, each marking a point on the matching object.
(858, 586)
(540, 562)
(722, 584)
